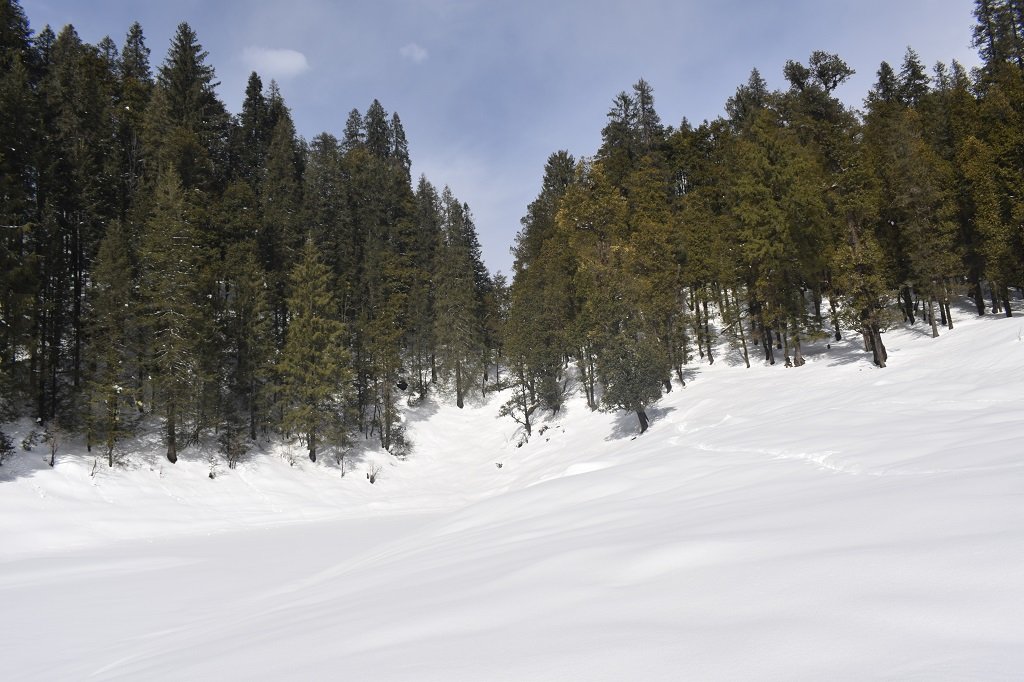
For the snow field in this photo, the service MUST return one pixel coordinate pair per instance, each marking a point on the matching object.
(831, 521)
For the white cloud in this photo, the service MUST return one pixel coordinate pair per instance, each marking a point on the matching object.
(414, 53)
(275, 63)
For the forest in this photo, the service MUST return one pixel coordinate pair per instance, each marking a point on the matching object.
(167, 264)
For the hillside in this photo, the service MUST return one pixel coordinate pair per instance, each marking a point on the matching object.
(832, 521)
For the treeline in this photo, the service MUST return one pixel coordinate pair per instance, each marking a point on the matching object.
(790, 217)
(160, 256)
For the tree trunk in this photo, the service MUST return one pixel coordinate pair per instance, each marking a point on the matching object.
(908, 304)
(979, 299)
(312, 446)
(877, 347)
(172, 444)
(739, 324)
(644, 422)
(1006, 301)
(798, 356)
(698, 326)
(766, 341)
(931, 316)
(707, 330)
(835, 316)
(458, 384)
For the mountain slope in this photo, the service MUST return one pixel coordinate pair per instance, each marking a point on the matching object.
(834, 520)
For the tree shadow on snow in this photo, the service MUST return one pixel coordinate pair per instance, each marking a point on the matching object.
(627, 425)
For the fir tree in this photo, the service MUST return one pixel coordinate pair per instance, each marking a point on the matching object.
(458, 329)
(314, 364)
(172, 258)
(111, 358)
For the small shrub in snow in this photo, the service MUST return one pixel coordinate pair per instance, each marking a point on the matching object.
(33, 439)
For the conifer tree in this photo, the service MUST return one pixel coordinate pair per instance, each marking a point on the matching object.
(18, 123)
(419, 340)
(172, 257)
(458, 330)
(188, 124)
(253, 133)
(632, 368)
(314, 367)
(135, 87)
(111, 359)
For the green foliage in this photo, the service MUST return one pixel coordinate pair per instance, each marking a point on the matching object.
(175, 308)
(632, 368)
(314, 365)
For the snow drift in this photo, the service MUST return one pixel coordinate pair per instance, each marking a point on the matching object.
(833, 521)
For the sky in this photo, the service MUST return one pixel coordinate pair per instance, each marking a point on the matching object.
(488, 90)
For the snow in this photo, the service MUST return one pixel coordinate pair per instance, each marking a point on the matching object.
(832, 521)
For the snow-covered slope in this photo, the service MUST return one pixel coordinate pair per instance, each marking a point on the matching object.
(833, 521)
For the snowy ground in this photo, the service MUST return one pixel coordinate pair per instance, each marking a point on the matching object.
(834, 521)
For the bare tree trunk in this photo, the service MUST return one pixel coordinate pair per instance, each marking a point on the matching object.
(458, 384)
(312, 446)
(698, 326)
(172, 443)
(879, 354)
(908, 304)
(766, 341)
(644, 422)
(707, 330)
(798, 356)
(931, 316)
(739, 324)
(945, 305)
(835, 315)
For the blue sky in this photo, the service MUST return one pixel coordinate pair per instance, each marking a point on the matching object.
(487, 90)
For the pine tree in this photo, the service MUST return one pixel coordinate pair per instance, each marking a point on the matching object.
(172, 259)
(189, 124)
(314, 368)
(252, 135)
(378, 133)
(419, 341)
(135, 87)
(281, 233)
(632, 367)
(19, 281)
(458, 329)
(111, 358)
(355, 133)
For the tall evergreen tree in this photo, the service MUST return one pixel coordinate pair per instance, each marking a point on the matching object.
(458, 329)
(112, 359)
(314, 367)
(172, 259)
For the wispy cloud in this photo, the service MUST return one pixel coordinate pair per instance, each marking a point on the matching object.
(414, 53)
(275, 63)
